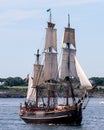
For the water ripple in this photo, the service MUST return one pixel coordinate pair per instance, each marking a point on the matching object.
(93, 117)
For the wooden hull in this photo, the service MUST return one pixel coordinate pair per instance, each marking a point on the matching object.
(71, 117)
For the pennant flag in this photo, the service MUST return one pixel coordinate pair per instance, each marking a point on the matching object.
(48, 10)
(62, 42)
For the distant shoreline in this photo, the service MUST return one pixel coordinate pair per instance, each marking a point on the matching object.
(21, 91)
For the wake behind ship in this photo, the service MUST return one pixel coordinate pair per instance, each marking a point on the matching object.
(48, 80)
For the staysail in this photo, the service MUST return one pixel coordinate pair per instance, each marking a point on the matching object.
(82, 77)
(31, 93)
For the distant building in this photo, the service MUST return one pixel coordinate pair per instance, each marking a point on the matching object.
(1, 83)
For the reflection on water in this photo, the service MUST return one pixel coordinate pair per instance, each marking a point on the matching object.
(93, 117)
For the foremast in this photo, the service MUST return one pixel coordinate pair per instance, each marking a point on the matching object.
(51, 64)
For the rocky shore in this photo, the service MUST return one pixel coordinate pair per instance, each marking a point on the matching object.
(96, 94)
(19, 94)
(13, 93)
(8, 95)
(21, 91)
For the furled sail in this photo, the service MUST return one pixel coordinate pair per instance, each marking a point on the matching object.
(51, 38)
(31, 93)
(51, 66)
(82, 77)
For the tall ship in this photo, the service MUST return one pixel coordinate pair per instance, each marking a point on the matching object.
(53, 82)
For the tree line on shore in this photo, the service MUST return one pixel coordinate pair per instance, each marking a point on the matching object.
(18, 81)
(13, 87)
(13, 81)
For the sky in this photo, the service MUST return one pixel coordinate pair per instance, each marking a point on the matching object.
(22, 32)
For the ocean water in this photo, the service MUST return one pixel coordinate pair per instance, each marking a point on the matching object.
(93, 117)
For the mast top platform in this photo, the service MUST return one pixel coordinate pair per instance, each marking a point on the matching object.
(50, 24)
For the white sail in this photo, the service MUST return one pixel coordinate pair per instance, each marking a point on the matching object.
(68, 63)
(31, 93)
(51, 66)
(70, 67)
(51, 38)
(82, 77)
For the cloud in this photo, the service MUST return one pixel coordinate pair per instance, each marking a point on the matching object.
(78, 2)
(18, 10)
(45, 3)
(16, 15)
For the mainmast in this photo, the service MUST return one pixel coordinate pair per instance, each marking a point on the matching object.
(68, 21)
(67, 78)
(69, 35)
(68, 43)
(69, 39)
